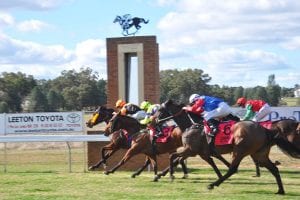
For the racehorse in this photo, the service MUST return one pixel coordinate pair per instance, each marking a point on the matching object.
(252, 139)
(126, 22)
(103, 114)
(114, 124)
(141, 142)
(249, 139)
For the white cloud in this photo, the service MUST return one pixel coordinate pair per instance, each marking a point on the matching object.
(236, 60)
(228, 22)
(292, 44)
(31, 4)
(6, 19)
(32, 26)
(44, 61)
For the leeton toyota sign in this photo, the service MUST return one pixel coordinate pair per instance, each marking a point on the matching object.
(51, 122)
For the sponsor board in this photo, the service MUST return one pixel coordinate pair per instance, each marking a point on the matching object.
(2, 128)
(277, 113)
(51, 122)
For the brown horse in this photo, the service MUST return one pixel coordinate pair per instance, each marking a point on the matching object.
(103, 114)
(249, 139)
(195, 142)
(142, 143)
(252, 139)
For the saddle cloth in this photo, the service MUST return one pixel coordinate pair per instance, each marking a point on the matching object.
(167, 130)
(225, 135)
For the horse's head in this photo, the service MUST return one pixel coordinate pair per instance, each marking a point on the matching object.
(117, 19)
(184, 120)
(119, 121)
(101, 114)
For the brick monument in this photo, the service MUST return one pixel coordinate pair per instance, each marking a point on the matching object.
(131, 82)
(119, 51)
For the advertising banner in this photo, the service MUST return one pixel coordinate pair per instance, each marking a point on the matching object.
(277, 113)
(2, 127)
(51, 122)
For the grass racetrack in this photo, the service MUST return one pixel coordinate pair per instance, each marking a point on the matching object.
(43, 174)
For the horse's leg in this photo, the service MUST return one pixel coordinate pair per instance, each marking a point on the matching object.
(257, 169)
(130, 153)
(237, 158)
(166, 170)
(267, 163)
(181, 154)
(220, 157)
(212, 163)
(139, 171)
(184, 168)
(105, 156)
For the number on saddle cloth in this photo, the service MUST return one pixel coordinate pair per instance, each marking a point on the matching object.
(266, 124)
(224, 135)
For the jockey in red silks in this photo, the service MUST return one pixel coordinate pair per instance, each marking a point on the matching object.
(212, 109)
(256, 109)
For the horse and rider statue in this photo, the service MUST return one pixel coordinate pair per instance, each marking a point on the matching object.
(128, 23)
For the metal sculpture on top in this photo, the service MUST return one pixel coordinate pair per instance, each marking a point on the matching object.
(127, 22)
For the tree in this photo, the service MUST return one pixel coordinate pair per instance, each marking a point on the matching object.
(16, 86)
(273, 91)
(179, 85)
(238, 92)
(55, 101)
(37, 101)
(4, 107)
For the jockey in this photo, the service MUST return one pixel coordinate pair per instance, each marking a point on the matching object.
(151, 109)
(212, 109)
(130, 109)
(256, 109)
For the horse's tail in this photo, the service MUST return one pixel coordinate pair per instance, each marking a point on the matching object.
(145, 21)
(285, 146)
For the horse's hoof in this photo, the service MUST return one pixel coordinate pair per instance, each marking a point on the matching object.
(133, 176)
(172, 177)
(156, 178)
(92, 168)
(106, 172)
(257, 175)
(281, 192)
(185, 176)
(210, 186)
(277, 163)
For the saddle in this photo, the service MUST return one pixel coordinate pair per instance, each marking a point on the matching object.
(167, 130)
(224, 135)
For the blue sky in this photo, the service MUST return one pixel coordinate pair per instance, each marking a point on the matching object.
(237, 42)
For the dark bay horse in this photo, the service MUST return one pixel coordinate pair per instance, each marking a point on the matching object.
(249, 139)
(141, 142)
(103, 114)
(252, 139)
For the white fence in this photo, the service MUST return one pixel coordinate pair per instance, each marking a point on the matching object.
(45, 127)
(49, 127)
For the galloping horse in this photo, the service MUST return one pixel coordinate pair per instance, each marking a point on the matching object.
(252, 139)
(103, 114)
(126, 22)
(249, 139)
(141, 142)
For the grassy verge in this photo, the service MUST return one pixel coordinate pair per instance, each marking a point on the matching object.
(95, 185)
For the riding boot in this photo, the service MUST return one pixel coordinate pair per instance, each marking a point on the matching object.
(213, 125)
(158, 132)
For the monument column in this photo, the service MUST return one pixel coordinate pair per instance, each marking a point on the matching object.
(132, 69)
